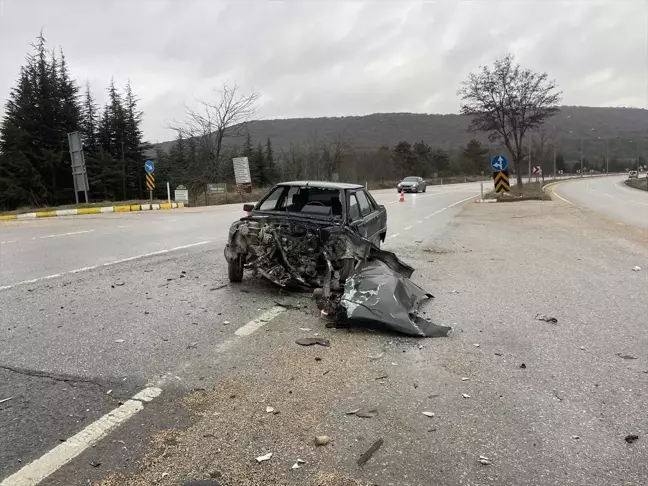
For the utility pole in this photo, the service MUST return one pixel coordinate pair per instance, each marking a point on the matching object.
(554, 171)
(581, 157)
(529, 147)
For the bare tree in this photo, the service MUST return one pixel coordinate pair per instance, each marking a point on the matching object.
(210, 124)
(333, 154)
(508, 101)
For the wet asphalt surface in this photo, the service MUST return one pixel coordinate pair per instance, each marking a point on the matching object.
(74, 347)
(546, 403)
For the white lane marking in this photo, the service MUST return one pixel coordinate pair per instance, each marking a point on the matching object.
(408, 228)
(66, 234)
(124, 226)
(107, 264)
(448, 207)
(7, 242)
(259, 322)
(394, 235)
(419, 221)
(36, 471)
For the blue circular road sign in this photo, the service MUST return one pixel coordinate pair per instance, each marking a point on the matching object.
(499, 163)
(149, 166)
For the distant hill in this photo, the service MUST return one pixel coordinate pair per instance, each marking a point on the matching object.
(446, 131)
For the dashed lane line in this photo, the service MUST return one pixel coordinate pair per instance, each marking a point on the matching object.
(107, 264)
(36, 471)
(259, 322)
(408, 228)
(64, 234)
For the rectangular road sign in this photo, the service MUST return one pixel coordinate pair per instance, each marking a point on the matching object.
(150, 181)
(501, 180)
(213, 189)
(537, 170)
(181, 194)
(242, 170)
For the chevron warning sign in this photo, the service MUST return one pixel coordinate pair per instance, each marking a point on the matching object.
(501, 179)
(150, 181)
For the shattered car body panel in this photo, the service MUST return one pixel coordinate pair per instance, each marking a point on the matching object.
(379, 295)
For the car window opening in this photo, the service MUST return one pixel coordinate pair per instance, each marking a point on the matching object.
(308, 200)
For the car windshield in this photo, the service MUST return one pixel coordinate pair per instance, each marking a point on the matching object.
(311, 201)
(410, 179)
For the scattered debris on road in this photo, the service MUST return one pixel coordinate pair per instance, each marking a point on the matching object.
(476, 345)
(298, 464)
(542, 317)
(523, 366)
(631, 438)
(365, 412)
(192, 345)
(269, 409)
(311, 341)
(428, 414)
(465, 395)
(575, 437)
(119, 341)
(6, 399)
(464, 378)
(370, 452)
(636, 268)
(626, 356)
(485, 461)
(322, 440)
(94, 463)
(305, 329)
(264, 458)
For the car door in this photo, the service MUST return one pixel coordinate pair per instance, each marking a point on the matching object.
(356, 221)
(369, 216)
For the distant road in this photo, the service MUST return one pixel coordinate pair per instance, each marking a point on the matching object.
(610, 197)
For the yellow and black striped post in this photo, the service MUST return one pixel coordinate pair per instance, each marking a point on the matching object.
(501, 179)
(150, 184)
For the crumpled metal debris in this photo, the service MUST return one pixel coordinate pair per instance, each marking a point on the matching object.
(380, 294)
(542, 317)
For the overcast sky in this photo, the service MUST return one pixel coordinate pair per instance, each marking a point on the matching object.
(331, 58)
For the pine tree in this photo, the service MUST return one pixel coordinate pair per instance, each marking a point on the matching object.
(271, 165)
(89, 122)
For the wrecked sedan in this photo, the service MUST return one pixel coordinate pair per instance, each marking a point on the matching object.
(306, 233)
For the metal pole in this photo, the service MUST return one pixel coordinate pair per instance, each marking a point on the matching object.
(529, 147)
(607, 164)
(123, 164)
(554, 172)
(482, 190)
(168, 193)
(581, 157)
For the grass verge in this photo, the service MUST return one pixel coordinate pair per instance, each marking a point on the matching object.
(637, 184)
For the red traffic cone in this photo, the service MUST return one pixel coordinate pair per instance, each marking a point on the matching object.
(402, 196)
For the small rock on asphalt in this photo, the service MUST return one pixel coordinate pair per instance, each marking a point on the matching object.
(523, 366)
(265, 457)
(269, 409)
(631, 438)
(311, 341)
(322, 440)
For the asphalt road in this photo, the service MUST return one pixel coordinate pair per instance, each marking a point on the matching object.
(610, 197)
(97, 308)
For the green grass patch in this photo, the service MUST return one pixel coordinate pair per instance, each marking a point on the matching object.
(637, 184)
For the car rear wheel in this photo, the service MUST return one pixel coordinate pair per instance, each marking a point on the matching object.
(235, 269)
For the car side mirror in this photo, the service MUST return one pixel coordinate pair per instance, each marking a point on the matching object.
(248, 207)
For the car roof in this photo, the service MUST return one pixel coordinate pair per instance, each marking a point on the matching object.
(322, 184)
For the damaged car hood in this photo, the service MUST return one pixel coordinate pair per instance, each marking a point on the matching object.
(380, 294)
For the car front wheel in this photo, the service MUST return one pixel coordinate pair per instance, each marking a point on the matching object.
(235, 269)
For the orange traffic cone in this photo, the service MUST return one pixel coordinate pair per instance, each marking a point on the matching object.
(402, 197)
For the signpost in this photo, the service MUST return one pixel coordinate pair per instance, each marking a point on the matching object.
(181, 194)
(499, 163)
(79, 173)
(149, 168)
(537, 171)
(242, 175)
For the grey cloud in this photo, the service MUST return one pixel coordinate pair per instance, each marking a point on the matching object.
(331, 58)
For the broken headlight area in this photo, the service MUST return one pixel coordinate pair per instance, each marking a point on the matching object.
(287, 251)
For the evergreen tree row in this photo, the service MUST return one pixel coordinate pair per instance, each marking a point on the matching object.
(43, 107)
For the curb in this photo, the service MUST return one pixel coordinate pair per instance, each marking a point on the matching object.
(98, 210)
